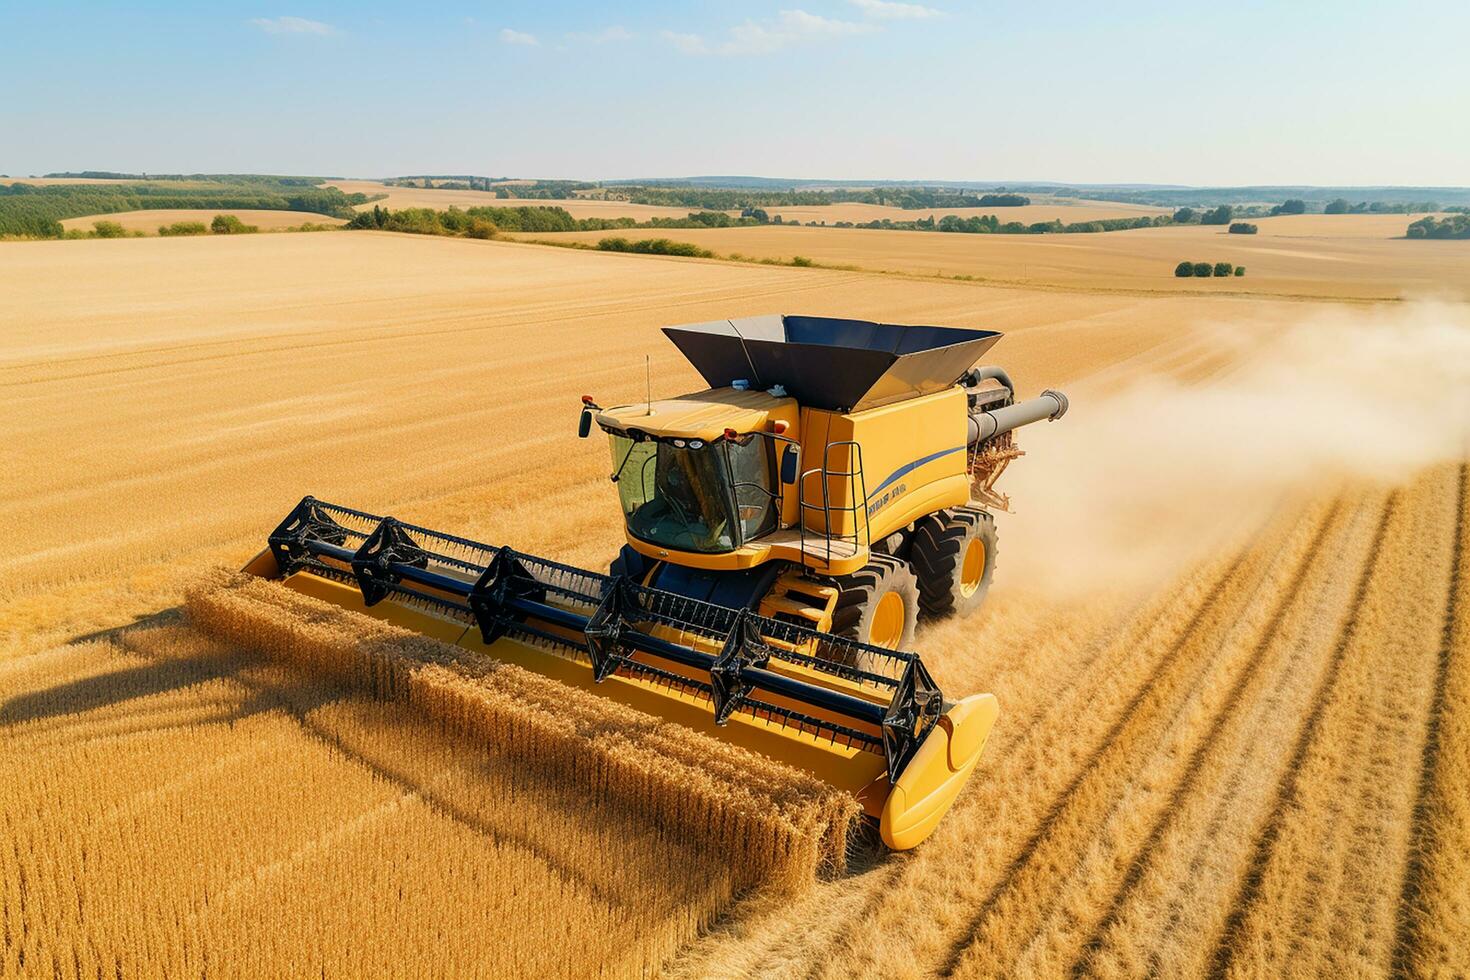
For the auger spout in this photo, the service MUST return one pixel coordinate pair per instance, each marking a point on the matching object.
(1050, 405)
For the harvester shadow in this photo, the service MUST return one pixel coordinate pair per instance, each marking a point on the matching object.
(164, 617)
(299, 699)
(116, 687)
(296, 698)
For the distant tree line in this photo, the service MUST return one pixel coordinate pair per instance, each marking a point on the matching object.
(655, 246)
(728, 199)
(486, 222)
(1387, 198)
(1341, 205)
(545, 190)
(1213, 216)
(462, 182)
(34, 211)
(272, 180)
(532, 190)
(1204, 270)
(1454, 226)
(989, 224)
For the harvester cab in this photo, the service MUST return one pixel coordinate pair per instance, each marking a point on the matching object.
(785, 528)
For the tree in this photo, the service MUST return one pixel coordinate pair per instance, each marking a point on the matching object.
(1338, 206)
(1240, 270)
(1202, 270)
(480, 228)
(1223, 269)
(1219, 216)
(108, 229)
(1184, 270)
(1243, 228)
(1293, 205)
(228, 224)
(1455, 226)
(1184, 216)
(183, 228)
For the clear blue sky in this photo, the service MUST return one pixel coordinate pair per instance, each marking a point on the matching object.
(1191, 93)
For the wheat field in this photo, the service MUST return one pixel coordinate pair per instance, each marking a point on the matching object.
(149, 221)
(1327, 258)
(1230, 636)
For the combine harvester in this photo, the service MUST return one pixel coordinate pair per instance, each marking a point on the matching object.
(785, 529)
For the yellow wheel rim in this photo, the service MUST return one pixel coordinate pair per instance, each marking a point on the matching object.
(888, 620)
(973, 568)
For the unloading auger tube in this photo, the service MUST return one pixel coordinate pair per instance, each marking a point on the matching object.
(988, 423)
(868, 720)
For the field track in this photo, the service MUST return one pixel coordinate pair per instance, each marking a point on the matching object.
(1255, 762)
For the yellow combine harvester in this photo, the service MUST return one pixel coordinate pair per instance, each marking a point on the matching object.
(786, 528)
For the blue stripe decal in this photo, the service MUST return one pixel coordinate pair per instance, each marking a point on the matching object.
(908, 468)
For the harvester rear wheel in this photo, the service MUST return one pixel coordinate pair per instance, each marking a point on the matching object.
(954, 559)
(878, 604)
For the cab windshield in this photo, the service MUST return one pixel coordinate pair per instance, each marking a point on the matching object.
(711, 499)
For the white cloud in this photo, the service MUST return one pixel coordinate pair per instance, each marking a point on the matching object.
(508, 36)
(886, 10)
(687, 43)
(763, 37)
(608, 35)
(292, 25)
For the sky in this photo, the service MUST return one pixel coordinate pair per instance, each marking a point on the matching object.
(1339, 93)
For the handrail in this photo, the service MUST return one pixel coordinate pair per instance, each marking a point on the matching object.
(861, 534)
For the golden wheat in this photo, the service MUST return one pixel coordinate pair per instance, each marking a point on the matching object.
(768, 821)
(183, 808)
(1433, 936)
(1259, 766)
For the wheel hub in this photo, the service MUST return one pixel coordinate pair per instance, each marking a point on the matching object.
(972, 571)
(888, 621)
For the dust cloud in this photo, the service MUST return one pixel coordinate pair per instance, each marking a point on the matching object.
(1146, 474)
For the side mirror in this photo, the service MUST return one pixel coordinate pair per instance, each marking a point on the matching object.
(790, 460)
(584, 424)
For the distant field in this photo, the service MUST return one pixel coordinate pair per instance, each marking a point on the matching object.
(1377, 226)
(418, 197)
(1328, 256)
(1027, 214)
(149, 221)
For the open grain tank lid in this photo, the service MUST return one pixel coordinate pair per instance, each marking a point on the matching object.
(829, 363)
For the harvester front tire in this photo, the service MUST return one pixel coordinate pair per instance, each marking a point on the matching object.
(878, 604)
(953, 556)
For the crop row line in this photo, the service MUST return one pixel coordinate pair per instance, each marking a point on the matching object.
(1176, 673)
(1194, 766)
(1407, 939)
(1286, 791)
